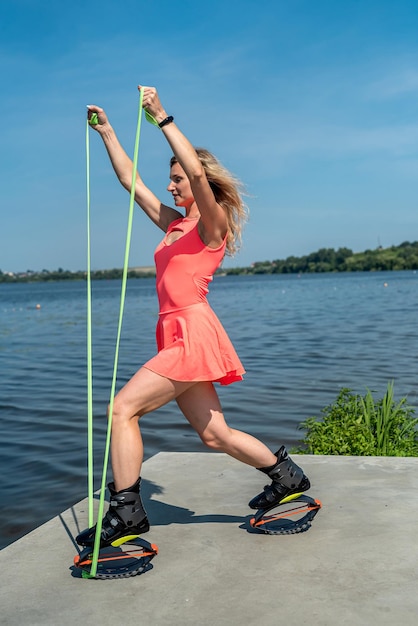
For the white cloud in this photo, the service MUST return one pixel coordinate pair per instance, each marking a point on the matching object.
(397, 83)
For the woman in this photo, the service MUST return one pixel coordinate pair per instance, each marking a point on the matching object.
(194, 350)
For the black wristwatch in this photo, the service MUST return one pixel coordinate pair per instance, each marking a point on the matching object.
(167, 120)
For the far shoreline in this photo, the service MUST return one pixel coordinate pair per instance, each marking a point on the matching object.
(324, 261)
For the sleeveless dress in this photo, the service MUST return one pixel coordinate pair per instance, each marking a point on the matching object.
(192, 343)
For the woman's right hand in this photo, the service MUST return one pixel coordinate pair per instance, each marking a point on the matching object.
(102, 120)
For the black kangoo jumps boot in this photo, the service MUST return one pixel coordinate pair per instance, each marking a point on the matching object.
(125, 518)
(287, 479)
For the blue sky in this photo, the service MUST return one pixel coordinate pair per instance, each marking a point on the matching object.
(314, 105)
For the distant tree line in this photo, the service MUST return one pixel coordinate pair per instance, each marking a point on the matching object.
(402, 257)
(46, 276)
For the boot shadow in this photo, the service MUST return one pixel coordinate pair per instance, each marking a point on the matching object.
(163, 514)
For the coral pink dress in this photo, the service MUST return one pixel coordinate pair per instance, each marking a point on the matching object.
(192, 343)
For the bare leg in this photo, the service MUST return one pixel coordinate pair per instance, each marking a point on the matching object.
(145, 392)
(201, 407)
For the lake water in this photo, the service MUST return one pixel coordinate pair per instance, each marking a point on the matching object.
(301, 339)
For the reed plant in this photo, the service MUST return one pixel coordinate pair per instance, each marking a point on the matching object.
(363, 426)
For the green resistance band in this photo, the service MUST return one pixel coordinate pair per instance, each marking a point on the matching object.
(96, 548)
(89, 344)
(150, 118)
(94, 119)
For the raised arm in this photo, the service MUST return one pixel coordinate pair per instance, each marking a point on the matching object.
(159, 213)
(213, 219)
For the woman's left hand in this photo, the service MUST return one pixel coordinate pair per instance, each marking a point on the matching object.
(151, 102)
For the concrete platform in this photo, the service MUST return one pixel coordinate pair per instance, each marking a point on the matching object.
(356, 565)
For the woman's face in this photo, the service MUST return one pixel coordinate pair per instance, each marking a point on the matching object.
(179, 186)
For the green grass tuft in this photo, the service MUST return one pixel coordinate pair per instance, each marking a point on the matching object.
(362, 426)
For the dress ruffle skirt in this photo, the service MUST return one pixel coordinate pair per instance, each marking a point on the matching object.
(194, 346)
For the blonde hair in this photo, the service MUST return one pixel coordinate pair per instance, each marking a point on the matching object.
(228, 192)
